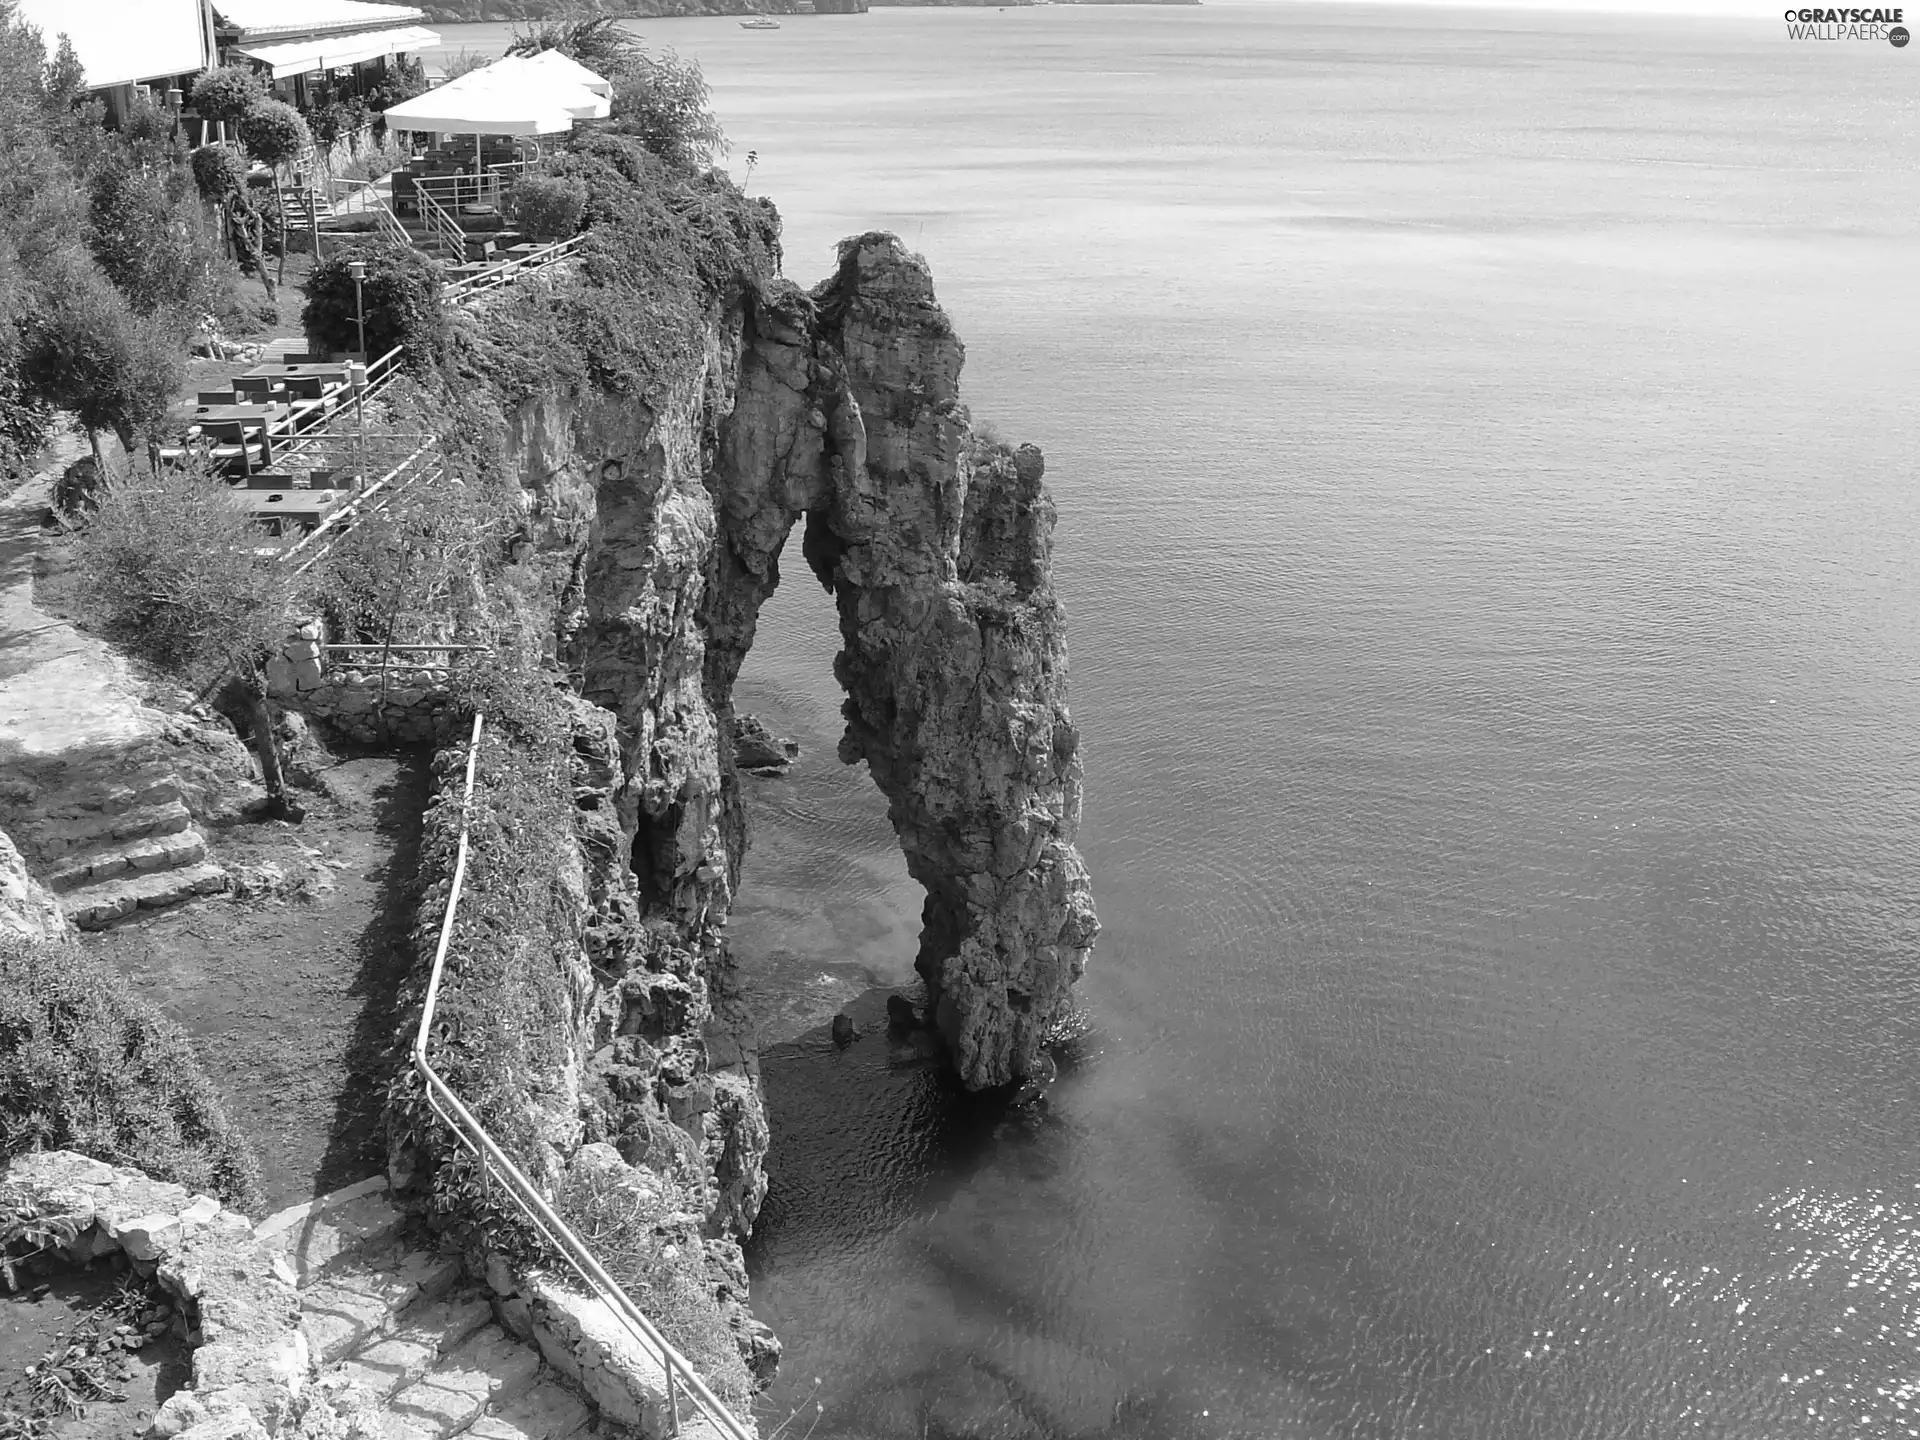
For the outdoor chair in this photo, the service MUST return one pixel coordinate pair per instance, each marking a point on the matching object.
(215, 397)
(258, 389)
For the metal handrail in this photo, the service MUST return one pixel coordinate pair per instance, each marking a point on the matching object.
(394, 480)
(445, 229)
(532, 1206)
(493, 276)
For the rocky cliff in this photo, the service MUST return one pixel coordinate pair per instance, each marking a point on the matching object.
(664, 522)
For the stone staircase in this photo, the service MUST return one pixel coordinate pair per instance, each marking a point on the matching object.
(398, 1324)
(107, 847)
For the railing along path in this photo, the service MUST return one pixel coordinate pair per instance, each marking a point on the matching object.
(494, 1163)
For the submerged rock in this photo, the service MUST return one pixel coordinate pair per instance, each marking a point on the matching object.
(757, 750)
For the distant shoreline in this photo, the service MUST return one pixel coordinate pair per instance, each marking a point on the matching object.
(502, 12)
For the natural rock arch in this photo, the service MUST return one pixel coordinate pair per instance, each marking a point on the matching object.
(840, 412)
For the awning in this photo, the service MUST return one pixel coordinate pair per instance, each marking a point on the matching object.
(301, 57)
(508, 97)
(122, 43)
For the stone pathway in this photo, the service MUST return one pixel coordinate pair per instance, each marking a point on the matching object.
(106, 829)
(399, 1324)
(59, 690)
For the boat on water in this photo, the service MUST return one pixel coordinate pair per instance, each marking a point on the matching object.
(760, 22)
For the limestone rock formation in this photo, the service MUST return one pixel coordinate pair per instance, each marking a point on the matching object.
(28, 910)
(664, 524)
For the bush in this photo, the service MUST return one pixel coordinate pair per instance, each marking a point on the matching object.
(549, 207)
(170, 568)
(86, 1065)
(629, 1224)
(219, 171)
(402, 298)
(227, 93)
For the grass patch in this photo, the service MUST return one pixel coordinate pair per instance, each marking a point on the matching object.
(87, 1065)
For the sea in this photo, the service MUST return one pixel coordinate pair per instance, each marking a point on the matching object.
(1485, 451)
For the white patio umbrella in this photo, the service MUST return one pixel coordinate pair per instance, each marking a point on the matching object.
(509, 97)
(554, 63)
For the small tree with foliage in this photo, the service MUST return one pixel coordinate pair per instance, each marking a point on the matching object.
(153, 246)
(274, 134)
(228, 93)
(401, 294)
(88, 353)
(663, 101)
(171, 568)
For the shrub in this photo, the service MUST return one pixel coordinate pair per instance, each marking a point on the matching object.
(86, 1065)
(663, 100)
(227, 93)
(402, 298)
(629, 1224)
(169, 567)
(219, 171)
(549, 207)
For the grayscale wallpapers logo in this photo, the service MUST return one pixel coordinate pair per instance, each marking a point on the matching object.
(1820, 23)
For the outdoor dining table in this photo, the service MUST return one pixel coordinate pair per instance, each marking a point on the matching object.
(216, 414)
(323, 372)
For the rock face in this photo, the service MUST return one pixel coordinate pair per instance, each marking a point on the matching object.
(28, 910)
(664, 526)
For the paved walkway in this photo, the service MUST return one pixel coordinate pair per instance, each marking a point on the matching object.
(60, 690)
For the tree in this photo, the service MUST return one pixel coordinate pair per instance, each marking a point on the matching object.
(172, 569)
(598, 42)
(86, 351)
(150, 243)
(274, 134)
(402, 297)
(228, 93)
(663, 101)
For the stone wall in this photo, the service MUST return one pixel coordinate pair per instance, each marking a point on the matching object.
(399, 704)
(250, 1360)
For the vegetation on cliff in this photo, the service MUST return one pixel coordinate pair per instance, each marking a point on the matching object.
(87, 1065)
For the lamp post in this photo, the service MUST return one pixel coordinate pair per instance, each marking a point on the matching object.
(358, 269)
(357, 377)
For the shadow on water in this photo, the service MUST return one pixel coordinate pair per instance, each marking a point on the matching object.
(864, 1134)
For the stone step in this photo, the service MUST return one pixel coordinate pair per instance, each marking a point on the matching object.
(59, 835)
(346, 1309)
(490, 1369)
(147, 785)
(116, 858)
(389, 1363)
(329, 1234)
(92, 907)
(545, 1412)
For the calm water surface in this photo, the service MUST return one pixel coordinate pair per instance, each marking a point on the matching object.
(1486, 467)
